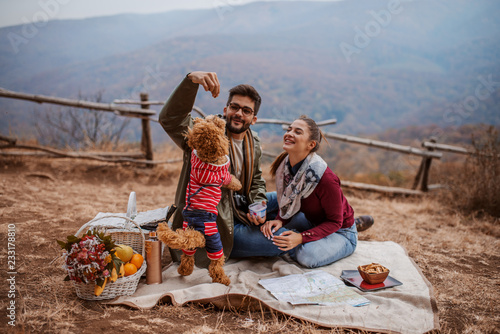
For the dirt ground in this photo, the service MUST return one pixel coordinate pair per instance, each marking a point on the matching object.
(50, 199)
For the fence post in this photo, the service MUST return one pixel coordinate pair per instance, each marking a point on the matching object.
(422, 176)
(146, 142)
(419, 175)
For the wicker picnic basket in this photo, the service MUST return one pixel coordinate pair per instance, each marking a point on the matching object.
(123, 286)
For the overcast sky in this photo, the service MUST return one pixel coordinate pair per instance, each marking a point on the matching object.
(14, 12)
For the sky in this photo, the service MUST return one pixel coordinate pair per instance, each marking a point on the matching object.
(14, 12)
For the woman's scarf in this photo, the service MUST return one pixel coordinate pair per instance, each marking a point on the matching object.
(291, 189)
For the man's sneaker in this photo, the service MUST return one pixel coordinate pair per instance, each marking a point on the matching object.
(363, 222)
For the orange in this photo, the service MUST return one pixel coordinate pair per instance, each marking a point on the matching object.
(137, 259)
(130, 269)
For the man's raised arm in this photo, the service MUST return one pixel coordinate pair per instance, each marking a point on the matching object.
(175, 115)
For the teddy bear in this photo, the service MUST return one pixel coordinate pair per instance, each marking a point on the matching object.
(209, 171)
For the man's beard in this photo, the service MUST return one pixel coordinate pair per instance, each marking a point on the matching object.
(244, 126)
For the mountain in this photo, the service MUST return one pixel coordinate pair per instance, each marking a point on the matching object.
(371, 64)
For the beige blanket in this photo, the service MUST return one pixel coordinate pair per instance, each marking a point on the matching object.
(408, 308)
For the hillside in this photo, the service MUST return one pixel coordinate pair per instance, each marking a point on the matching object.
(417, 66)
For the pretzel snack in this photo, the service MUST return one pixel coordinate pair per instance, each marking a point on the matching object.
(374, 268)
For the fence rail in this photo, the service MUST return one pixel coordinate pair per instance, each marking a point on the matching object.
(446, 148)
(131, 112)
(383, 145)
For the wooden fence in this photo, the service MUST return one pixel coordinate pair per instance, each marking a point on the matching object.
(420, 184)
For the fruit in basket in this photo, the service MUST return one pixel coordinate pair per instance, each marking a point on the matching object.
(137, 260)
(124, 252)
(98, 289)
(130, 269)
(114, 275)
(121, 273)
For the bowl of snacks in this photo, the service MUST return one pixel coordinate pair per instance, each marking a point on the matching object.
(373, 273)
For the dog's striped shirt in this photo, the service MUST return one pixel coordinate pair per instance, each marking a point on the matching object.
(203, 191)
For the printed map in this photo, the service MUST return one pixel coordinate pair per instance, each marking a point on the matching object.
(314, 287)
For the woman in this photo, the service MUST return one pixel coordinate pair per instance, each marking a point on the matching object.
(315, 223)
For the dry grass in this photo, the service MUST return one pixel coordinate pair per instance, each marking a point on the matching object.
(474, 186)
(49, 199)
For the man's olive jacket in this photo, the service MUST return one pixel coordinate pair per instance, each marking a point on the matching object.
(175, 118)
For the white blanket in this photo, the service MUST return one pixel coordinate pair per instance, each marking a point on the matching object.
(408, 308)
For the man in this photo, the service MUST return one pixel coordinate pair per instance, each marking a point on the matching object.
(245, 153)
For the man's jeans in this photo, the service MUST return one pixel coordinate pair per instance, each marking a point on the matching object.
(249, 240)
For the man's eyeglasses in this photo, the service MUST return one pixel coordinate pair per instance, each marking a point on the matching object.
(234, 107)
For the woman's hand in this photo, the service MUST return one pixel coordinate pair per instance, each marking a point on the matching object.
(287, 240)
(270, 227)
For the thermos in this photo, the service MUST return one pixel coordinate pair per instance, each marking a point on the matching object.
(153, 259)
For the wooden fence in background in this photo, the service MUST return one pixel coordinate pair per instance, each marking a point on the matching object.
(420, 185)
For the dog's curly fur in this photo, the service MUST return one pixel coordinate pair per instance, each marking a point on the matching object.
(208, 138)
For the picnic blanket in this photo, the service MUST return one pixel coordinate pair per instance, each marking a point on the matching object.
(408, 308)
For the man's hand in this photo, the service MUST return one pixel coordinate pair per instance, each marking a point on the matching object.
(256, 220)
(287, 240)
(208, 80)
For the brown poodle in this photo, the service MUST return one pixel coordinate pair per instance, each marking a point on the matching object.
(209, 171)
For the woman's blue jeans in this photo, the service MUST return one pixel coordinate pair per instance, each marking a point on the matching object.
(249, 240)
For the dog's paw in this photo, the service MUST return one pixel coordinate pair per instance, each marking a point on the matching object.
(222, 280)
(235, 184)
